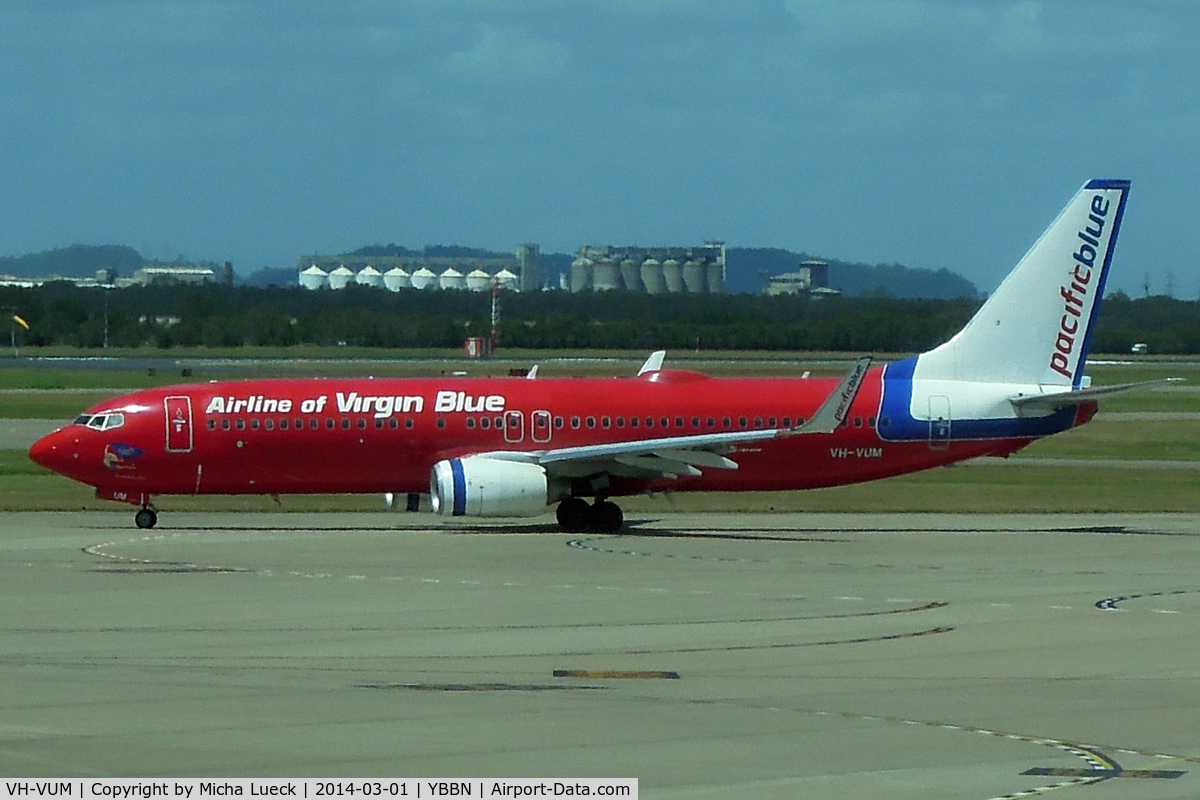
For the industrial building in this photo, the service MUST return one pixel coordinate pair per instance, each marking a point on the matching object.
(812, 278)
(519, 272)
(649, 270)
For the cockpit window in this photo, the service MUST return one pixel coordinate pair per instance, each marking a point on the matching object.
(101, 422)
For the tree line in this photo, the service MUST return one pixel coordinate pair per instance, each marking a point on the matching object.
(218, 316)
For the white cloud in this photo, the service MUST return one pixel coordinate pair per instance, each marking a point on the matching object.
(508, 54)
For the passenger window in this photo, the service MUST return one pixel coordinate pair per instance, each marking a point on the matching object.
(770, 422)
(379, 423)
(485, 422)
(858, 422)
(283, 424)
(254, 424)
(712, 422)
(885, 422)
(742, 422)
(679, 422)
(726, 422)
(345, 424)
(393, 423)
(758, 422)
(633, 422)
(330, 424)
(241, 424)
(362, 424)
(591, 422)
(575, 422)
(408, 422)
(441, 423)
(558, 422)
(605, 422)
(225, 424)
(212, 424)
(787, 422)
(870, 422)
(269, 424)
(695, 422)
(620, 422)
(470, 422)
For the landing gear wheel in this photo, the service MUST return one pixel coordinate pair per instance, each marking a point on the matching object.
(146, 518)
(605, 517)
(572, 515)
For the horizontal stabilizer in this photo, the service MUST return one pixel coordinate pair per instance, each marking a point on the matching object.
(836, 407)
(1059, 400)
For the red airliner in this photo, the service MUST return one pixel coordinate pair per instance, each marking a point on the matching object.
(511, 447)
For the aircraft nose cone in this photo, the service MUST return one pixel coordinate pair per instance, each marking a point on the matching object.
(50, 452)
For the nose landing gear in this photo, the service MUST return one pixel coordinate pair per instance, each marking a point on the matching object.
(576, 516)
(145, 518)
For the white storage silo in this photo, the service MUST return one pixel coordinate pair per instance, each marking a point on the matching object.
(606, 275)
(672, 275)
(314, 278)
(581, 274)
(652, 276)
(716, 277)
(452, 279)
(340, 277)
(630, 275)
(478, 280)
(424, 279)
(508, 280)
(693, 275)
(369, 276)
(396, 279)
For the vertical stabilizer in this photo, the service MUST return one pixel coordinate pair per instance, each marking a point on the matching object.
(1036, 327)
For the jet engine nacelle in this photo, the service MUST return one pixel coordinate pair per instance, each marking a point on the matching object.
(478, 486)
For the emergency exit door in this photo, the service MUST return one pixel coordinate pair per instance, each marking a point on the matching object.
(179, 424)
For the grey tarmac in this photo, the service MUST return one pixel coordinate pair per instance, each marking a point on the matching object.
(708, 655)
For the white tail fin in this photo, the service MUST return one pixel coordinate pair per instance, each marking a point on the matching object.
(1036, 327)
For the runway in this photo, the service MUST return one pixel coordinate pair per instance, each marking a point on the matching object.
(708, 655)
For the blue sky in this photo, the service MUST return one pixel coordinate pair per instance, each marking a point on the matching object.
(936, 133)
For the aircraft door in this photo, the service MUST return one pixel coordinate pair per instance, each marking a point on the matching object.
(514, 426)
(540, 426)
(179, 424)
(939, 422)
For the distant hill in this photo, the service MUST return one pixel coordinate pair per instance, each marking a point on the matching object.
(430, 251)
(76, 261)
(272, 276)
(744, 267)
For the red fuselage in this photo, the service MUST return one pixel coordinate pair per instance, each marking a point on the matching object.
(368, 435)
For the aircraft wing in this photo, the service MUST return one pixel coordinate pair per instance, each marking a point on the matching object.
(673, 457)
(1055, 401)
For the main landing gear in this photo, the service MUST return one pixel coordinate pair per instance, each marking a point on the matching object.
(576, 516)
(146, 518)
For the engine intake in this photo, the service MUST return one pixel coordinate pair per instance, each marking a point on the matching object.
(478, 486)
